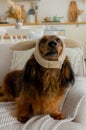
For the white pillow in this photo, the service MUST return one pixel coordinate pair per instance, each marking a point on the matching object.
(35, 34)
(19, 58)
(75, 55)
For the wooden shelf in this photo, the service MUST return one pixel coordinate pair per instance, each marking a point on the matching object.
(46, 23)
(25, 0)
(59, 23)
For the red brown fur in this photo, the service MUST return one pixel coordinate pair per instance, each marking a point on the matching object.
(35, 89)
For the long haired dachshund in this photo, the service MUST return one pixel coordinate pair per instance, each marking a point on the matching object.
(39, 89)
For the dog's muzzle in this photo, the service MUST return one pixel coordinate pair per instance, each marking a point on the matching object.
(46, 63)
(52, 44)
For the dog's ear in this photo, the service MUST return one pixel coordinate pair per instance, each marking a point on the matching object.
(30, 70)
(25, 45)
(67, 74)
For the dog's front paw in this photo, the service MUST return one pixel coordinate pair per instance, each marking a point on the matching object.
(23, 118)
(58, 116)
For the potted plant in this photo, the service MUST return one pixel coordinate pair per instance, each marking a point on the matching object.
(15, 12)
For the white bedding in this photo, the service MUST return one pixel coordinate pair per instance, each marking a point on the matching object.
(70, 109)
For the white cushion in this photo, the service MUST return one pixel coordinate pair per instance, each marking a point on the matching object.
(75, 56)
(81, 115)
(19, 58)
(71, 126)
(35, 35)
(5, 59)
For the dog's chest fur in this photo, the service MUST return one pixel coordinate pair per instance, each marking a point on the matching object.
(45, 88)
(44, 81)
(46, 91)
(48, 81)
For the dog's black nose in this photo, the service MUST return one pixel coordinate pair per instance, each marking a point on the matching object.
(52, 43)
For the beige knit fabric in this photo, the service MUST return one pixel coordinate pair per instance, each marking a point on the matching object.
(46, 63)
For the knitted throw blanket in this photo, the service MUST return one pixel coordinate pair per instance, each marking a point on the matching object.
(76, 94)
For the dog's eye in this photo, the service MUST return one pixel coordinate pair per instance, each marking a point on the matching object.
(58, 40)
(43, 41)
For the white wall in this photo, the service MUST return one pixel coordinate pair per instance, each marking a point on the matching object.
(48, 8)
